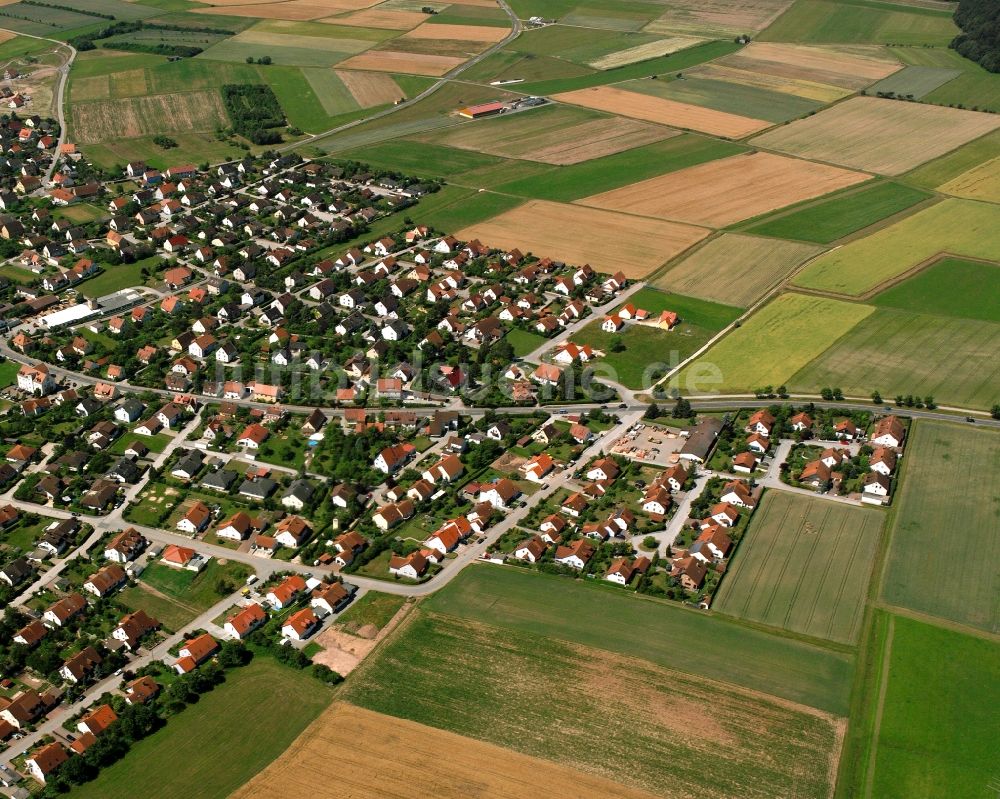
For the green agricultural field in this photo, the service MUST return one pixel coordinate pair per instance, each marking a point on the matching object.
(21, 46)
(299, 98)
(826, 221)
(508, 65)
(803, 566)
(568, 183)
(914, 81)
(579, 45)
(661, 632)
(734, 269)
(899, 352)
(684, 59)
(733, 98)
(956, 163)
(468, 208)
(952, 287)
(423, 673)
(861, 22)
(649, 349)
(330, 91)
(958, 227)
(422, 159)
(786, 334)
(974, 87)
(939, 724)
(232, 725)
(947, 506)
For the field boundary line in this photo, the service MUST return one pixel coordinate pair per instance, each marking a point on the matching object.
(877, 725)
(937, 621)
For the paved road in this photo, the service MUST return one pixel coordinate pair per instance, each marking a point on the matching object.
(58, 95)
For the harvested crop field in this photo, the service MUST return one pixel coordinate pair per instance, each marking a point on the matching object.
(793, 330)
(718, 17)
(407, 63)
(901, 352)
(380, 18)
(349, 746)
(370, 89)
(804, 566)
(555, 135)
(958, 227)
(644, 51)
(949, 511)
(693, 737)
(607, 241)
(663, 111)
(106, 120)
(735, 269)
(289, 9)
(847, 67)
(884, 136)
(729, 190)
(810, 90)
(979, 183)
(459, 33)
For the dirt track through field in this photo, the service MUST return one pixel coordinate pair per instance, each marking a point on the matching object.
(666, 112)
(729, 190)
(347, 752)
(607, 241)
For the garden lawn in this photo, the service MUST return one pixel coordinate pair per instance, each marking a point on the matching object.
(373, 608)
(524, 341)
(772, 345)
(8, 373)
(171, 613)
(658, 631)
(939, 724)
(958, 227)
(827, 221)
(898, 352)
(952, 287)
(211, 748)
(197, 590)
(944, 530)
(114, 278)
